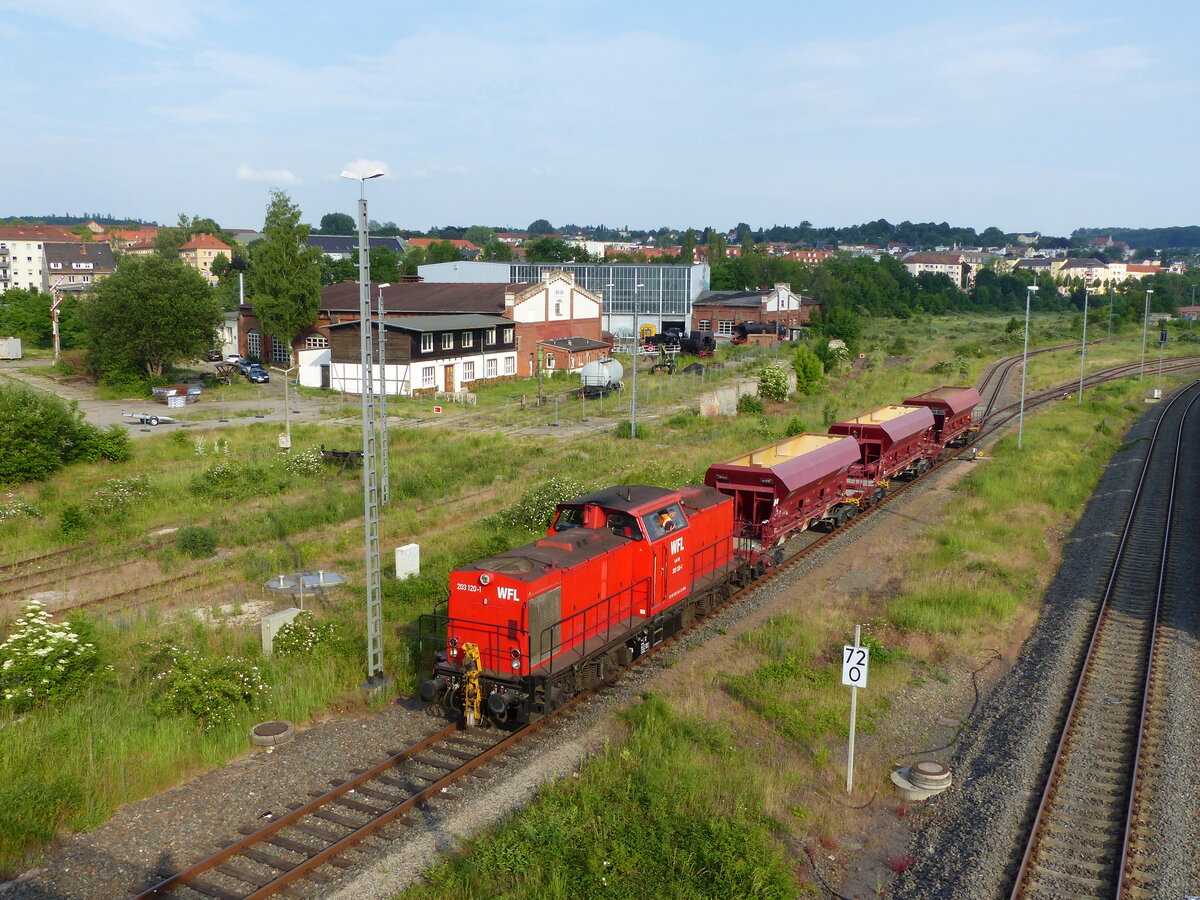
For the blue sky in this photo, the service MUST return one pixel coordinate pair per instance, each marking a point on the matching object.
(1046, 116)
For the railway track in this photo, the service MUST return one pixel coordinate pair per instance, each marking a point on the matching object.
(319, 836)
(1087, 839)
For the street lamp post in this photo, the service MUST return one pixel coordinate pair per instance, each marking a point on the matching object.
(384, 492)
(375, 675)
(1145, 333)
(637, 340)
(1083, 342)
(1024, 363)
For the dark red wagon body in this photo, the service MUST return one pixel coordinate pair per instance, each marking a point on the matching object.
(892, 440)
(784, 487)
(953, 409)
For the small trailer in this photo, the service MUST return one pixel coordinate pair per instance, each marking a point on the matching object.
(144, 418)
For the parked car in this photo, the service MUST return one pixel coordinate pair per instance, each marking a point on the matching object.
(258, 374)
(233, 357)
(243, 365)
(213, 356)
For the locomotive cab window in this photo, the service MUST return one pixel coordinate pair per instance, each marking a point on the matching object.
(663, 521)
(569, 517)
(624, 525)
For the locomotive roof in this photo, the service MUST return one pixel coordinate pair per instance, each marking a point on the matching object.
(624, 497)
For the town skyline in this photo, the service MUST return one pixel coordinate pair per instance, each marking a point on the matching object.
(613, 114)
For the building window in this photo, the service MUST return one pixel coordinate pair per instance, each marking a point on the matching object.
(468, 370)
(508, 335)
(468, 339)
(490, 368)
(280, 352)
(427, 377)
(510, 365)
(316, 342)
(548, 360)
(489, 336)
(254, 344)
(705, 326)
(427, 343)
(725, 328)
(447, 341)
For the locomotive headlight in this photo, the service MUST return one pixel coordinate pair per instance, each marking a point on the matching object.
(516, 658)
(485, 579)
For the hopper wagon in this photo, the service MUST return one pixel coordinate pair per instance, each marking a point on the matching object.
(892, 441)
(786, 487)
(953, 410)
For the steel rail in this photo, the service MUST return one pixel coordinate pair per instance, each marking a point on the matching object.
(1085, 670)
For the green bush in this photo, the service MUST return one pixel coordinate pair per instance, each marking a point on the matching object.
(39, 433)
(197, 541)
(227, 480)
(535, 509)
(213, 691)
(624, 429)
(305, 635)
(112, 443)
(795, 426)
(748, 403)
(772, 383)
(73, 521)
(118, 496)
(44, 661)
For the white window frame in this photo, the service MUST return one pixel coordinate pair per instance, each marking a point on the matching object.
(489, 336)
(448, 340)
(548, 361)
(429, 376)
(725, 327)
(254, 344)
(467, 339)
(316, 342)
(427, 343)
(510, 365)
(704, 326)
(508, 335)
(490, 368)
(468, 370)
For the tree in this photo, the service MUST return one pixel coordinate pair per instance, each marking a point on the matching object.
(414, 257)
(26, 314)
(550, 250)
(286, 273)
(385, 264)
(540, 226)
(809, 370)
(338, 223)
(335, 271)
(149, 314)
(479, 235)
(496, 251)
(716, 247)
(687, 248)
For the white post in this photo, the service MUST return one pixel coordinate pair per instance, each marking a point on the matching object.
(1024, 363)
(1145, 332)
(1083, 342)
(853, 720)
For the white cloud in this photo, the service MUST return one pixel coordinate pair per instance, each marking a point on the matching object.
(365, 168)
(273, 176)
(140, 21)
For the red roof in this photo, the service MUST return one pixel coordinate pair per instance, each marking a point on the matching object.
(425, 242)
(43, 233)
(204, 242)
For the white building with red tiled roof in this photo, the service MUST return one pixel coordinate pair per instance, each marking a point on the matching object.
(23, 254)
(200, 251)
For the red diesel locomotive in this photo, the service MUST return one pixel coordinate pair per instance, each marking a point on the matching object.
(624, 568)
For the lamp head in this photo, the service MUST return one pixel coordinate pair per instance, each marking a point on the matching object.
(375, 173)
